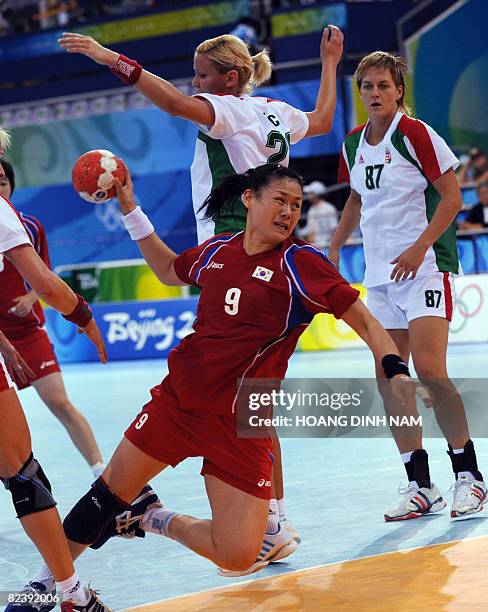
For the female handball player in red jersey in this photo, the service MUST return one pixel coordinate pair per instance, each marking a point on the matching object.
(237, 131)
(260, 288)
(20, 472)
(406, 196)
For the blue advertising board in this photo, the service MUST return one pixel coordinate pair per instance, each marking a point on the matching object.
(132, 330)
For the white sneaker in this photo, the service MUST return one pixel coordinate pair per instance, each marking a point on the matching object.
(469, 497)
(272, 546)
(94, 604)
(288, 525)
(416, 502)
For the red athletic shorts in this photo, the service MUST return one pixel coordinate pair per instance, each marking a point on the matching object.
(38, 352)
(5, 380)
(170, 434)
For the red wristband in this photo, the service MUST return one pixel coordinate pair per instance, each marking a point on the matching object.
(128, 70)
(81, 315)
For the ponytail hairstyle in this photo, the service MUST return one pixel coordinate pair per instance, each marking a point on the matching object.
(222, 198)
(228, 52)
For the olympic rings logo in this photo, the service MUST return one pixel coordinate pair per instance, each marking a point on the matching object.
(108, 213)
(468, 304)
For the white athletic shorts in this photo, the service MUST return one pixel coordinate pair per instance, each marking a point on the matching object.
(396, 304)
(5, 380)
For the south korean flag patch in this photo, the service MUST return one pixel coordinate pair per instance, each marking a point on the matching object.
(263, 273)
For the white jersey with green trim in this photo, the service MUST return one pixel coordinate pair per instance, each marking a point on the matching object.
(395, 181)
(248, 131)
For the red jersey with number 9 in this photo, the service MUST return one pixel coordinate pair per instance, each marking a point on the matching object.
(251, 312)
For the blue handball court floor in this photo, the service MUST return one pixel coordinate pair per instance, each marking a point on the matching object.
(336, 488)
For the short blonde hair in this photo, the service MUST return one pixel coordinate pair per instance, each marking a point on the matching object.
(397, 66)
(5, 140)
(229, 52)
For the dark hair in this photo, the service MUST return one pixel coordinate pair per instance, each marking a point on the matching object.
(9, 173)
(233, 186)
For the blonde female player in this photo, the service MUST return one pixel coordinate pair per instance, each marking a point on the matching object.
(20, 472)
(237, 131)
(191, 413)
(406, 196)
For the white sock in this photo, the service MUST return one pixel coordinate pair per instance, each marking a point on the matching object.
(44, 575)
(458, 451)
(406, 456)
(414, 484)
(273, 506)
(157, 521)
(282, 509)
(273, 525)
(73, 590)
(97, 468)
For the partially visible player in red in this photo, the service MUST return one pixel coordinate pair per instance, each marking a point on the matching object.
(260, 289)
(22, 321)
(20, 472)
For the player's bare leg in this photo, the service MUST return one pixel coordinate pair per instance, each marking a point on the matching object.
(428, 341)
(52, 392)
(44, 526)
(233, 537)
(420, 496)
(407, 439)
(125, 475)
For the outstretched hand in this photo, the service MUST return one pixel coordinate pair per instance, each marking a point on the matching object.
(405, 389)
(331, 45)
(86, 45)
(93, 333)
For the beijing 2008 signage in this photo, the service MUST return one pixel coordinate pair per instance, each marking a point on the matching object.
(132, 330)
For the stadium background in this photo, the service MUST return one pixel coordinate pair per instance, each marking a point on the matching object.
(59, 106)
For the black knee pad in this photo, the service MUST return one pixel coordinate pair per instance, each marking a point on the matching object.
(93, 511)
(30, 489)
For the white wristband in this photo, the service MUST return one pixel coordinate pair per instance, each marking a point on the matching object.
(137, 224)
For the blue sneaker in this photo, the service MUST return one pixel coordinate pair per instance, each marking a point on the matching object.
(126, 525)
(34, 597)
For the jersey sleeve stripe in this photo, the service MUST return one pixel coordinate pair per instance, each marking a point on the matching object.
(290, 264)
(420, 139)
(343, 174)
(32, 227)
(210, 249)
